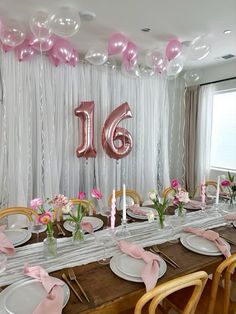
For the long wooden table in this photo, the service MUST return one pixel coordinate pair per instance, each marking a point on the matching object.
(110, 294)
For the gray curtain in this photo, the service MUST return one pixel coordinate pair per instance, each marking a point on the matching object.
(190, 136)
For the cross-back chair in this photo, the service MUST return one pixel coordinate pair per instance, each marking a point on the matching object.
(28, 212)
(131, 193)
(216, 297)
(154, 297)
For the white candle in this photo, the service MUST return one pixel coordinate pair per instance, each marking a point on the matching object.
(124, 203)
(218, 190)
(113, 209)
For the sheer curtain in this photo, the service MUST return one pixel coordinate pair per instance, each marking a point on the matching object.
(39, 132)
(204, 126)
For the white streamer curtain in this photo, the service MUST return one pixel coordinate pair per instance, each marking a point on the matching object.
(39, 132)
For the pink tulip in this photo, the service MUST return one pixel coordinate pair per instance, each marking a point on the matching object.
(225, 183)
(81, 195)
(96, 194)
(36, 203)
(175, 184)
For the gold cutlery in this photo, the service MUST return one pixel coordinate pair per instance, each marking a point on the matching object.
(167, 258)
(60, 230)
(72, 288)
(72, 276)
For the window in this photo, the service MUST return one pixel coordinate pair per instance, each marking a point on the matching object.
(223, 140)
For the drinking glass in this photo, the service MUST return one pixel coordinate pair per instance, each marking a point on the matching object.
(3, 262)
(104, 239)
(106, 211)
(36, 227)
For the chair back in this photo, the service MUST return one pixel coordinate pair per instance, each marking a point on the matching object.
(131, 193)
(224, 271)
(156, 295)
(75, 201)
(167, 192)
(28, 212)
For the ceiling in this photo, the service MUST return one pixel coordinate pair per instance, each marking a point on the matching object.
(167, 19)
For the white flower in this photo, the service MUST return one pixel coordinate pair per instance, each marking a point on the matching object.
(67, 209)
(183, 197)
(150, 216)
(152, 195)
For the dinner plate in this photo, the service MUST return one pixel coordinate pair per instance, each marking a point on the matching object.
(95, 222)
(201, 245)
(140, 216)
(193, 205)
(116, 270)
(31, 292)
(18, 236)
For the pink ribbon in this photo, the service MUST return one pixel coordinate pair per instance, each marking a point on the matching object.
(136, 210)
(212, 236)
(53, 303)
(6, 245)
(150, 272)
(87, 227)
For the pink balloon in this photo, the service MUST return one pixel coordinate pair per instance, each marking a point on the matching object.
(53, 60)
(173, 49)
(130, 52)
(41, 45)
(85, 112)
(129, 64)
(6, 48)
(111, 133)
(74, 58)
(117, 44)
(62, 50)
(24, 51)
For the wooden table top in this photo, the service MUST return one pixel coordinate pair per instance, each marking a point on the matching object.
(110, 294)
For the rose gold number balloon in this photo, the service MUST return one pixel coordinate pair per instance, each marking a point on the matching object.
(111, 133)
(86, 130)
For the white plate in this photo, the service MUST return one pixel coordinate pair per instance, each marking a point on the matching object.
(95, 222)
(124, 275)
(31, 291)
(138, 216)
(193, 205)
(18, 236)
(200, 245)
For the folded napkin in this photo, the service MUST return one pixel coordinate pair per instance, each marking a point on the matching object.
(53, 303)
(194, 204)
(151, 270)
(135, 209)
(87, 227)
(212, 236)
(6, 245)
(230, 217)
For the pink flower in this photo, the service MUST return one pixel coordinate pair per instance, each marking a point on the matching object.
(96, 194)
(60, 200)
(81, 195)
(175, 184)
(36, 203)
(45, 218)
(182, 196)
(226, 183)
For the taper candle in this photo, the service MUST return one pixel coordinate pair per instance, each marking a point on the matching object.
(218, 190)
(113, 209)
(124, 203)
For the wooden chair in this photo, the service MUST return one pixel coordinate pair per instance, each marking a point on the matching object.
(168, 192)
(195, 280)
(131, 193)
(75, 201)
(216, 299)
(28, 212)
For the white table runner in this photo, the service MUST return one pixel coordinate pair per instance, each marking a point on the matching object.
(142, 233)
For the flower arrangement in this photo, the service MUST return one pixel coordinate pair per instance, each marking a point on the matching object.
(160, 206)
(230, 185)
(181, 197)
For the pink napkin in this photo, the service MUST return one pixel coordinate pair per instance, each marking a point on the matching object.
(151, 270)
(230, 217)
(53, 303)
(136, 210)
(87, 227)
(212, 236)
(6, 245)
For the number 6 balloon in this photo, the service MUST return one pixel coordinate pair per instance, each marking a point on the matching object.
(112, 133)
(86, 130)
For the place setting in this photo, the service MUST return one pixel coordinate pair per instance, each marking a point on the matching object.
(96, 223)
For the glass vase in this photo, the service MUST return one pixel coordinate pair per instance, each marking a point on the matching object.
(78, 235)
(161, 221)
(180, 212)
(50, 246)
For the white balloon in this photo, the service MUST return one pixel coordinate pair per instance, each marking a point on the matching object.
(65, 22)
(96, 57)
(146, 71)
(39, 25)
(191, 76)
(198, 49)
(12, 33)
(153, 58)
(133, 72)
(174, 67)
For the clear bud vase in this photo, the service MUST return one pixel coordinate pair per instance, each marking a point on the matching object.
(180, 212)
(50, 246)
(161, 221)
(78, 235)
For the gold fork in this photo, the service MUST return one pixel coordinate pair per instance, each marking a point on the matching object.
(73, 277)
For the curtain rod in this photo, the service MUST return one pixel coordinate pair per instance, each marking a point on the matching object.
(228, 79)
